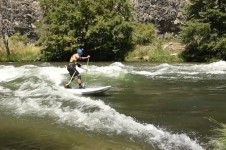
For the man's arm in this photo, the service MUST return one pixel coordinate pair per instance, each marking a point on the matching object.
(87, 57)
(82, 58)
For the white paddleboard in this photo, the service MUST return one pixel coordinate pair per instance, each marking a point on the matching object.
(91, 90)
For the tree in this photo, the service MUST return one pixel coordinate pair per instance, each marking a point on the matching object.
(205, 32)
(102, 27)
(143, 33)
(5, 22)
(17, 16)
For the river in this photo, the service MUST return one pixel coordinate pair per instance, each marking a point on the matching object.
(149, 107)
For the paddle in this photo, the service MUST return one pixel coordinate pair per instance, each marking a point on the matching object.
(67, 85)
(87, 64)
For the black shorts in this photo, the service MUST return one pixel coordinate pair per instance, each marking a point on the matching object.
(72, 70)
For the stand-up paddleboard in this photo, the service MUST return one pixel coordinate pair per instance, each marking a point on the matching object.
(90, 91)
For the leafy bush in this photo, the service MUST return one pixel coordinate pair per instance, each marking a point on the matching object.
(103, 28)
(143, 33)
(205, 32)
(20, 38)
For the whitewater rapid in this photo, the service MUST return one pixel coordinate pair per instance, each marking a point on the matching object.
(38, 91)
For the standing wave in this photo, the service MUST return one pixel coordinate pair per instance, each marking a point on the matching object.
(34, 91)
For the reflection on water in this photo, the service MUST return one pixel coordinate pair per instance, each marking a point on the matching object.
(151, 106)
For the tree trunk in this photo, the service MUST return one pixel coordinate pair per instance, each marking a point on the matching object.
(6, 43)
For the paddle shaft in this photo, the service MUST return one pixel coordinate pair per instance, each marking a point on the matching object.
(71, 78)
(87, 63)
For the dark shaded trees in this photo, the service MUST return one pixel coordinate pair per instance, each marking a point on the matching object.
(103, 28)
(205, 32)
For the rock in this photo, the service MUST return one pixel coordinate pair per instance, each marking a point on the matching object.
(167, 15)
(21, 13)
(173, 46)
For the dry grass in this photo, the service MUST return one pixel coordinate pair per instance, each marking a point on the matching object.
(157, 52)
(19, 52)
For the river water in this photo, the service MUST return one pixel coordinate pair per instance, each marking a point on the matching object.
(149, 107)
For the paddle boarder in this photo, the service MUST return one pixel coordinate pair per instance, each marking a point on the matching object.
(71, 67)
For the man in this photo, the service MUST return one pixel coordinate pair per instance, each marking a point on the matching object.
(72, 67)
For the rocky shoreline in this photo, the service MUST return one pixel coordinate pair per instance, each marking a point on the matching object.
(166, 15)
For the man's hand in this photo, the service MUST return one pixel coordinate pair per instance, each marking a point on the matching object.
(85, 69)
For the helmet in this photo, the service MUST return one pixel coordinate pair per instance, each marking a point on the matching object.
(80, 51)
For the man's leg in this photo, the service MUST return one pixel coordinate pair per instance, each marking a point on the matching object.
(79, 81)
(73, 72)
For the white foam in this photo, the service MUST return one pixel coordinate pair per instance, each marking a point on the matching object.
(187, 70)
(161, 71)
(4, 90)
(54, 74)
(114, 70)
(40, 98)
(8, 73)
(102, 118)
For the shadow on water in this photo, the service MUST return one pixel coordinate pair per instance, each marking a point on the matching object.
(27, 133)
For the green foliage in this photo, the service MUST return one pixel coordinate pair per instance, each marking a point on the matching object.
(143, 33)
(205, 32)
(101, 27)
(156, 52)
(20, 38)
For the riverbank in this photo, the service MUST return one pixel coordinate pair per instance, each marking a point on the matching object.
(158, 51)
(20, 52)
